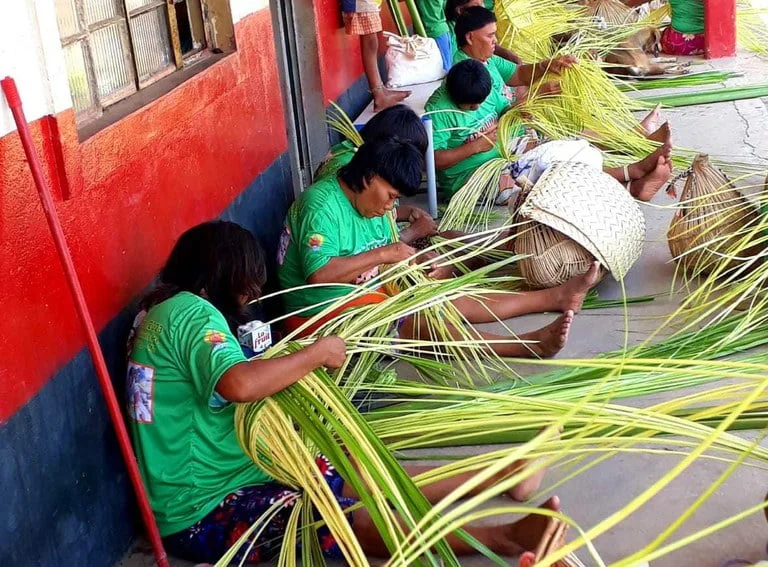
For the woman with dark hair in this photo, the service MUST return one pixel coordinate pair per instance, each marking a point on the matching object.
(397, 121)
(338, 232)
(186, 370)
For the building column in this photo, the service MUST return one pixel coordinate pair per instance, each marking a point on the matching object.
(720, 28)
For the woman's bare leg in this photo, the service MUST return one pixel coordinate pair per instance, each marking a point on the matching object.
(505, 305)
(542, 343)
(507, 539)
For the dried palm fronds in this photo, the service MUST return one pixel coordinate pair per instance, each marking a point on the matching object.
(613, 13)
(752, 25)
(705, 230)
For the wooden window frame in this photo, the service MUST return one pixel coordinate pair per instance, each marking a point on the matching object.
(123, 21)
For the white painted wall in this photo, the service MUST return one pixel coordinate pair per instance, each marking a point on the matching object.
(241, 8)
(30, 52)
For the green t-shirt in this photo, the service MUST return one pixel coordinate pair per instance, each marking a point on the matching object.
(452, 127)
(500, 69)
(687, 16)
(185, 442)
(321, 225)
(432, 14)
(340, 155)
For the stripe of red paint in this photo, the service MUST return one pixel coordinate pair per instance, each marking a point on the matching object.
(720, 28)
(135, 187)
(339, 53)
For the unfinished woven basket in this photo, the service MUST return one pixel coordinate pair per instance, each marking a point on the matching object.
(551, 257)
(581, 214)
(705, 229)
(613, 12)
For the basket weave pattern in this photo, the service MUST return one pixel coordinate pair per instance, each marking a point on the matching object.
(586, 206)
(706, 228)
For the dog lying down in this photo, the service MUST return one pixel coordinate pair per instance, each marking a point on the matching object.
(631, 57)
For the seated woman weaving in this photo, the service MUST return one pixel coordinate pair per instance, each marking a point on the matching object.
(465, 112)
(186, 371)
(338, 232)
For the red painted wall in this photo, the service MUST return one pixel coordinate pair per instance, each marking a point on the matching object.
(339, 54)
(134, 187)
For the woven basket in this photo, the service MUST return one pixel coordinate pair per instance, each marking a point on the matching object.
(705, 229)
(551, 257)
(590, 216)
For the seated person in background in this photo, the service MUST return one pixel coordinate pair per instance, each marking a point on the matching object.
(476, 36)
(396, 121)
(338, 232)
(454, 9)
(465, 111)
(476, 39)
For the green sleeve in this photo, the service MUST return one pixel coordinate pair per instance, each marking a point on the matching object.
(317, 240)
(505, 68)
(207, 347)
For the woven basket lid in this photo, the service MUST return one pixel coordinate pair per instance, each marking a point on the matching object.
(593, 209)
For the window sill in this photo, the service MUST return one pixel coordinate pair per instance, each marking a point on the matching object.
(145, 96)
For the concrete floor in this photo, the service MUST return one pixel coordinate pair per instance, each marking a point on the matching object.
(739, 131)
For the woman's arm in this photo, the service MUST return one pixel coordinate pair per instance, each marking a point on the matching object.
(528, 74)
(258, 379)
(347, 269)
(448, 158)
(509, 55)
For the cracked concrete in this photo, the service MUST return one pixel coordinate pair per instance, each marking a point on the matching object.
(732, 131)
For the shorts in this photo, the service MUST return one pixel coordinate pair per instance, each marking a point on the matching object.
(361, 17)
(210, 538)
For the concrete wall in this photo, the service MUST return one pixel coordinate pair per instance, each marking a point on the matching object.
(214, 146)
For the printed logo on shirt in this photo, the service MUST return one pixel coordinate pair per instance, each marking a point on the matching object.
(216, 339)
(140, 390)
(315, 242)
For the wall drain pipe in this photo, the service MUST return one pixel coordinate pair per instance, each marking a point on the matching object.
(14, 102)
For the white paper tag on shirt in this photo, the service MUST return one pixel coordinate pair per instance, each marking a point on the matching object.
(256, 336)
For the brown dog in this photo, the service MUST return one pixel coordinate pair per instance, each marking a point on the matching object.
(631, 56)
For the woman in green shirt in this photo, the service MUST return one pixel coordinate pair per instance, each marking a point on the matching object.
(185, 372)
(685, 36)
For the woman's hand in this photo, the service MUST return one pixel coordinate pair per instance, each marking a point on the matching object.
(397, 252)
(332, 352)
(422, 227)
(550, 88)
(560, 64)
(484, 141)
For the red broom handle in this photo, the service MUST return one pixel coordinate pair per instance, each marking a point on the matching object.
(14, 102)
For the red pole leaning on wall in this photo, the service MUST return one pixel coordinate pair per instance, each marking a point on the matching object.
(719, 28)
(14, 102)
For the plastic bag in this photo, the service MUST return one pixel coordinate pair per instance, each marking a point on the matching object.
(412, 60)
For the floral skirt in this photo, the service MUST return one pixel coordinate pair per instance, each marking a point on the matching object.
(676, 43)
(207, 540)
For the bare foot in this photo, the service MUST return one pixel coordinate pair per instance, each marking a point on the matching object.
(651, 122)
(550, 339)
(385, 98)
(523, 490)
(570, 295)
(526, 533)
(648, 164)
(645, 188)
(661, 135)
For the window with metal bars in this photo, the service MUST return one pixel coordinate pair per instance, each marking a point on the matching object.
(113, 48)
